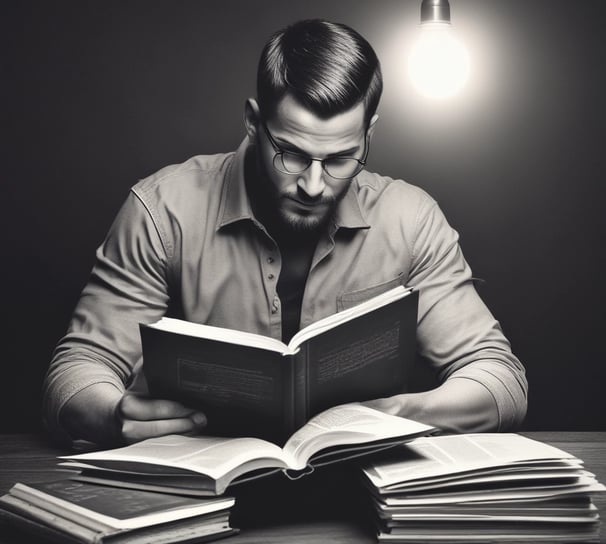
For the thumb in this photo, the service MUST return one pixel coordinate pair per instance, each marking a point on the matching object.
(199, 419)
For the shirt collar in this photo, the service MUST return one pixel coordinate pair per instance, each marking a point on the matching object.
(236, 206)
(349, 215)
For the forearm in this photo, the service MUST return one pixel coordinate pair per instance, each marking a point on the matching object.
(458, 405)
(484, 386)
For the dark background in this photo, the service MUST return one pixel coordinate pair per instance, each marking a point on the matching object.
(96, 95)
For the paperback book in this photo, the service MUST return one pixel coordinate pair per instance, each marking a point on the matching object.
(206, 465)
(482, 488)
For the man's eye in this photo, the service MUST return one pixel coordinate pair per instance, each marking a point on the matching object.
(294, 159)
(340, 161)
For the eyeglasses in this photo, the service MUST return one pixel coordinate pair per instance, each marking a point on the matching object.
(289, 162)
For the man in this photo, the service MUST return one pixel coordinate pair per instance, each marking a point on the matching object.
(288, 229)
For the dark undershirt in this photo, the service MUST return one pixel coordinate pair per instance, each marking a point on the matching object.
(297, 254)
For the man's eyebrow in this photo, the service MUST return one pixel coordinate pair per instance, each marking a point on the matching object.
(292, 147)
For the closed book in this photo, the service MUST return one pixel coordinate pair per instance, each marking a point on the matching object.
(71, 511)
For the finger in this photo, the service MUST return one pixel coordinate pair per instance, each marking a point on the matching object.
(135, 431)
(145, 409)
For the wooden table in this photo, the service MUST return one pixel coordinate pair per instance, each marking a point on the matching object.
(326, 506)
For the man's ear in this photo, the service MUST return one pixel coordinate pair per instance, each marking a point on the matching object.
(252, 115)
(371, 125)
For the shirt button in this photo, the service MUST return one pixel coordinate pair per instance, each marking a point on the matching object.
(270, 276)
(270, 260)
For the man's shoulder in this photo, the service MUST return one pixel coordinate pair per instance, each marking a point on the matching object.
(386, 192)
(198, 174)
(179, 195)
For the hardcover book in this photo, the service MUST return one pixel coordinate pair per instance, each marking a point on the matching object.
(69, 511)
(253, 385)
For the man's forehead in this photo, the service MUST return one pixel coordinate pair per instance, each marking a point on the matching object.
(296, 124)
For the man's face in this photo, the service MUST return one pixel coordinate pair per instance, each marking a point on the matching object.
(304, 202)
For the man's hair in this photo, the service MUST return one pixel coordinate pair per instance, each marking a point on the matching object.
(327, 67)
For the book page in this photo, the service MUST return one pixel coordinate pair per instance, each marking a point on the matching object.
(231, 336)
(518, 470)
(495, 481)
(212, 456)
(441, 455)
(546, 507)
(343, 425)
(584, 486)
(346, 315)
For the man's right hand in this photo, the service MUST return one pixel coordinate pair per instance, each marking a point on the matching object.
(105, 416)
(140, 417)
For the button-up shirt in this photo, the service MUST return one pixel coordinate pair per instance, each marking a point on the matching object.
(186, 243)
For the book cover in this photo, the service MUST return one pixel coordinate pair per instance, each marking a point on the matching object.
(112, 507)
(69, 511)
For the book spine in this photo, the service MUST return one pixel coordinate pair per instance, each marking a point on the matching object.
(289, 398)
(62, 511)
(301, 386)
(58, 527)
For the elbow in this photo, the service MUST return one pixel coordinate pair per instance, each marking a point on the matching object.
(520, 415)
(513, 413)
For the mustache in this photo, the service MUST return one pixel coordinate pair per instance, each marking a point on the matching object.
(327, 200)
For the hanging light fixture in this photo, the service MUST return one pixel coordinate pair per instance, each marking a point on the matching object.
(436, 11)
(439, 63)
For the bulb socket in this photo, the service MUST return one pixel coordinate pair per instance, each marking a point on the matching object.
(435, 11)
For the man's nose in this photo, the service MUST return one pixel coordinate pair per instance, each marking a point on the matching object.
(311, 182)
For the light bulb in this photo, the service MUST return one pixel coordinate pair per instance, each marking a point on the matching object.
(439, 63)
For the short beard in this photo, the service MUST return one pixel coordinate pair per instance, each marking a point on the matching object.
(267, 207)
(301, 224)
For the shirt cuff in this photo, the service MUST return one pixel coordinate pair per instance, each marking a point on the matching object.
(60, 391)
(509, 394)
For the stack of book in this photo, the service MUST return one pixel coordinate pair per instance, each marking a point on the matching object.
(171, 489)
(482, 488)
(65, 511)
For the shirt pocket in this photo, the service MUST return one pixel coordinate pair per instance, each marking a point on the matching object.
(351, 298)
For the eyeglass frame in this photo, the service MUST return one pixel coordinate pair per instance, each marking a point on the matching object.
(280, 152)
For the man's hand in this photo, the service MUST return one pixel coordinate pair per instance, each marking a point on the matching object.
(140, 417)
(105, 416)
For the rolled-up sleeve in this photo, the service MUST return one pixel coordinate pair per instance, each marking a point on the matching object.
(456, 331)
(127, 286)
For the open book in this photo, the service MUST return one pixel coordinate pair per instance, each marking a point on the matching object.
(252, 385)
(207, 465)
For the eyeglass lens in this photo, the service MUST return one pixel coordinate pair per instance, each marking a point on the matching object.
(337, 167)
